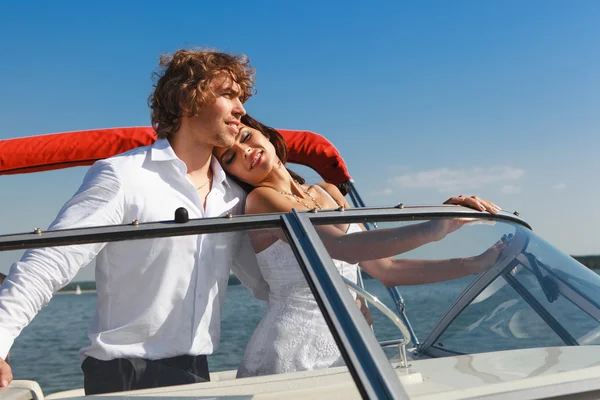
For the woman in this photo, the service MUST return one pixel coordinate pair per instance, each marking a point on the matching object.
(292, 334)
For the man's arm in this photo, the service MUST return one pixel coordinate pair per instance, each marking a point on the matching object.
(32, 281)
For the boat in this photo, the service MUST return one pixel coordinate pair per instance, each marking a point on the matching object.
(524, 326)
(78, 290)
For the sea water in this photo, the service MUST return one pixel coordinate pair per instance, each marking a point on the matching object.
(47, 350)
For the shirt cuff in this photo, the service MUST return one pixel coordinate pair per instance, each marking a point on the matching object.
(6, 342)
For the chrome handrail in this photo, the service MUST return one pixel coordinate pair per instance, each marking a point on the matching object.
(388, 313)
(393, 291)
(390, 343)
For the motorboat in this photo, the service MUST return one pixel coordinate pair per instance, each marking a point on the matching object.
(524, 325)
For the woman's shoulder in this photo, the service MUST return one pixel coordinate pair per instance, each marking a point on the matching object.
(334, 192)
(262, 193)
(328, 187)
(265, 200)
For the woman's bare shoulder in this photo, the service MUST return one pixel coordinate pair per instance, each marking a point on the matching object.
(335, 193)
(266, 200)
(330, 188)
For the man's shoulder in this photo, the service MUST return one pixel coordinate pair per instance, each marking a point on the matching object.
(129, 158)
(227, 184)
(236, 189)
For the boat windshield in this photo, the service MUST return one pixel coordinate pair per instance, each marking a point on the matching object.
(475, 285)
(431, 262)
(540, 297)
(471, 283)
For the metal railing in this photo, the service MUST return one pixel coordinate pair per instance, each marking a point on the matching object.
(393, 291)
(401, 343)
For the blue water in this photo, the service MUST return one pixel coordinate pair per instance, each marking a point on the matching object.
(47, 350)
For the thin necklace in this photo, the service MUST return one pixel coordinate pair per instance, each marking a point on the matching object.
(301, 200)
(204, 184)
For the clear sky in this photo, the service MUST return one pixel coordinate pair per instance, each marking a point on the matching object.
(424, 99)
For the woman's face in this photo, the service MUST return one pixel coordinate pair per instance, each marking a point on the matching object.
(251, 157)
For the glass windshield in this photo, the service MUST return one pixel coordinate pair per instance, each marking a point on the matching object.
(542, 297)
(431, 263)
(524, 292)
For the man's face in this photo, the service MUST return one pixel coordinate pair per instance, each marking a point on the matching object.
(218, 123)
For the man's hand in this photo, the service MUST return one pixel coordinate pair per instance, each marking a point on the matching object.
(475, 203)
(6, 375)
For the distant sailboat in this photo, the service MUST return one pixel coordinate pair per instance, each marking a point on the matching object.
(78, 290)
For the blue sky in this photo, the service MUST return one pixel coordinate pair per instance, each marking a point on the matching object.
(424, 99)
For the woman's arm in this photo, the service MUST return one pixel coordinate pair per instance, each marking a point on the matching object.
(359, 246)
(365, 245)
(401, 272)
(396, 272)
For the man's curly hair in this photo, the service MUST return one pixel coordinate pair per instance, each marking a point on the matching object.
(183, 86)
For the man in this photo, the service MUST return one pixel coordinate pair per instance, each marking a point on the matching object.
(159, 300)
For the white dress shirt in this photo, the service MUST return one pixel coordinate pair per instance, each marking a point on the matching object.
(157, 298)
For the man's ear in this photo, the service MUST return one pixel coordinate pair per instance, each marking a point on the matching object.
(185, 110)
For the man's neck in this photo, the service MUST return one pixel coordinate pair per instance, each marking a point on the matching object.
(196, 156)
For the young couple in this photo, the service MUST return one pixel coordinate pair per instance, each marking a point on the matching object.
(160, 336)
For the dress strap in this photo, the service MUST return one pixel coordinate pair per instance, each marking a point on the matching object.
(327, 194)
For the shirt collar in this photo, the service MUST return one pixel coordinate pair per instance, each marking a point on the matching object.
(219, 175)
(162, 151)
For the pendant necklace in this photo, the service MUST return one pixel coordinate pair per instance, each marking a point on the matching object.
(301, 200)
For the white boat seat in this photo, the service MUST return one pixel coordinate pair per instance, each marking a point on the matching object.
(22, 390)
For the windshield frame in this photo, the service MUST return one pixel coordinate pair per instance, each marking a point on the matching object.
(578, 298)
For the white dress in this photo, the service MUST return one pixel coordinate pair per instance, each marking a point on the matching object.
(292, 334)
